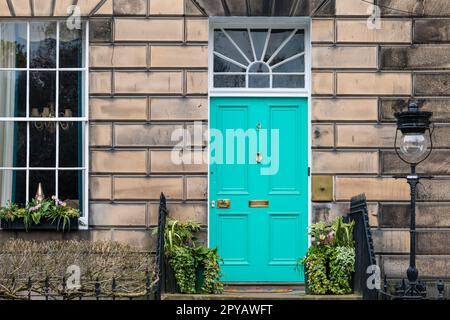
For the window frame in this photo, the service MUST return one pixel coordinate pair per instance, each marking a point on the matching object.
(84, 120)
(301, 23)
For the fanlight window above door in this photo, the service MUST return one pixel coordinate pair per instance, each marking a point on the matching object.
(259, 58)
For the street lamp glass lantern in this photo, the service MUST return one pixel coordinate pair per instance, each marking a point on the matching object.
(415, 142)
(413, 146)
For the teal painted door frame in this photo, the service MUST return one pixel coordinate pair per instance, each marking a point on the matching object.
(259, 150)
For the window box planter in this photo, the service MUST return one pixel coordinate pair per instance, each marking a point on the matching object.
(45, 224)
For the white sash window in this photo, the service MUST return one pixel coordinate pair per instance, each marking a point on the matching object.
(43, 111)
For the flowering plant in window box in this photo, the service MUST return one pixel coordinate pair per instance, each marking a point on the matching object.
(47, 214)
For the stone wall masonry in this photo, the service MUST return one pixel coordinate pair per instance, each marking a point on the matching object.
(360, 78)
(148, 62)
(148, 77)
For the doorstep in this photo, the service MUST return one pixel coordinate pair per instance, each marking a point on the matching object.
(258, 296)
(260, 291)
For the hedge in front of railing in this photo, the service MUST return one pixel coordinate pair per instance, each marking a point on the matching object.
(51, 268)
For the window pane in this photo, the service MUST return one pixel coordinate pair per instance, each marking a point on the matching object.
(259, 67)
(42, 93)
(70, 144)
(221, 65)
(294, 46)
(258, 81)
(42, 144)
(70, 93)
(240, 37)
(288, 81)
(13, 142)
(229, 81)
(295, 65)
(43, 44)
(224, 46)
(277, 37)
(47, 180)
(12, 187)
(70, 47)
(259, 40)
(70, 184)
(13, 93)
(13, 45)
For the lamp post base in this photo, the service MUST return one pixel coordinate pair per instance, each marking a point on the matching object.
(412, 291)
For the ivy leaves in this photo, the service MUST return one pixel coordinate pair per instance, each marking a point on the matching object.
(196, 267)
(184, 267)
(330, 261)
(342, 265)
(316, 270)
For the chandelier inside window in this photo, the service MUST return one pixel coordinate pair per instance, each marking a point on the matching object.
(49, 112)
(259, 58)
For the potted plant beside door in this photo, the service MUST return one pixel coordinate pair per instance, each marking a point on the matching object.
(330, 262)
(195, 267)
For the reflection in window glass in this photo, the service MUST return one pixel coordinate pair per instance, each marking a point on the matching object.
(259, 40)
(223, 45)
(70, 184)
(258, 81)
(42, 93)
(259, 58)
(294, 65)
(288, 81)
(12, 187)
(221, 65)
(295, 46)
(70, 147)
(43, 45)
(13, 93)
(13, 45)
(242, 40)
(70, 47)
(275, 41)
(229, 81)
(70, 93)
(43, 144)
(259, 67)
(13, 142)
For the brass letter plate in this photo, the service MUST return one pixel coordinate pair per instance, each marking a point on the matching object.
(223, 203)
(258, 203)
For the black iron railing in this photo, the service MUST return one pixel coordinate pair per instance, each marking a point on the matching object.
(165, 275)
(365, 264)
(367, 279)
(160, 256)
(45, 289)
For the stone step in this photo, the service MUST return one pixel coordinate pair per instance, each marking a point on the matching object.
(257, 287)
(261, 291)
(258, 296)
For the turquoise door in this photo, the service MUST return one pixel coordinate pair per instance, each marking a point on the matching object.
(259, 187)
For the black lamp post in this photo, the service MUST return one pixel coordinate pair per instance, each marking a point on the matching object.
(414, 147)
